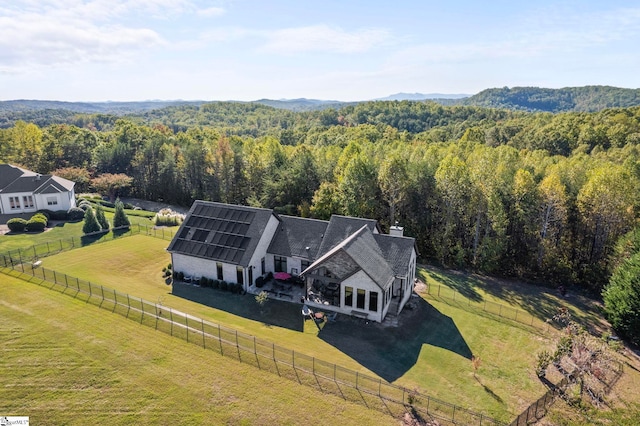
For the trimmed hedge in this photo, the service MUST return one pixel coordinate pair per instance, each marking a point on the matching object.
(36, 224)
(17, 224)
(75, 214)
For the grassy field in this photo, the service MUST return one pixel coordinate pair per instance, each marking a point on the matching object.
(431, 351)
(58, 231)
(65, 362)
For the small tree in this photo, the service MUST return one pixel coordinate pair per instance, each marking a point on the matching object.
(90, 222)
(261, 299)
(475, 362)
(120, 218)
(102, 220)
(111, 184)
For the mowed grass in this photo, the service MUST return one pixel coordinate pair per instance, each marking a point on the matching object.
(57, 231)
(63, 361)
(431, 350)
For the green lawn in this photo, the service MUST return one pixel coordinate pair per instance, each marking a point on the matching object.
(58, 231)
(65, 362)
(431, 351)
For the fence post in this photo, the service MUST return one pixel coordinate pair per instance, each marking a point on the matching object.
(21, 264)
(356, 380)
(204, 345)
(220, 340)
(34, 252)
(73, 243)
(186, 317)
(48, 248)
(171, 319)
(142, 309)
(238, 347)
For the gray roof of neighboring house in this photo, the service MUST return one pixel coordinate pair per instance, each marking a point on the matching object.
(340, 227)
(223, 232)
(299, 237)
(397, 251)
(361, 246)
(16, 180)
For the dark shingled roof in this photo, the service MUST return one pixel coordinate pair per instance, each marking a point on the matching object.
(340, 227)
(361, 246)
(397, 251)
(222, 232)
(14, 180)
(296, 234)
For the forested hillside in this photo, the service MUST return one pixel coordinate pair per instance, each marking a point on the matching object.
(587, 98)
(534, 195)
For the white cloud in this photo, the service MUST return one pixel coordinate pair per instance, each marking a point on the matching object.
(211, 11)
(322, 38)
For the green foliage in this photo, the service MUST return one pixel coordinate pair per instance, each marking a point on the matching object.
(37, 223)
(120, 218)
(16, 224)
(261, 298)
(91, 224)
(224, 286)
(543, 359)
(75, 214)
(102, 220)
(622, 299)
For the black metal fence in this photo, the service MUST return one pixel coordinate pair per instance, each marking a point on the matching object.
(324, 376)
(31, 254)
(502, 311)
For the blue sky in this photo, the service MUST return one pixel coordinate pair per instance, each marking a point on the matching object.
(126, 50)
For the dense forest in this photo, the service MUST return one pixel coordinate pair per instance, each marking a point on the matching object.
(535, 195)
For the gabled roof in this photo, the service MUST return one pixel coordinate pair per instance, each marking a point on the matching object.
(298, 237)
(16, 180)
(340, 227)
(222, 232)
(397, 251)
(361, 246)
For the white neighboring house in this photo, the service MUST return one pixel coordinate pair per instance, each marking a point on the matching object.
(24, 191)
(347, 265)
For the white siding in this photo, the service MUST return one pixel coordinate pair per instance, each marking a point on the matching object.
(261, 251)
(199, 267)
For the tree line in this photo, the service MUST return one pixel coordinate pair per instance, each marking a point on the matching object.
(538, 196)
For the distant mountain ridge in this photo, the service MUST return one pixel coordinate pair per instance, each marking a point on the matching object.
(586, 98)
(421, 96)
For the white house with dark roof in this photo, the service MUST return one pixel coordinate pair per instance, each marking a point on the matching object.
(24, 191)
(346, 263)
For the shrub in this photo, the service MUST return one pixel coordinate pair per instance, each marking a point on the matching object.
(17, 224)
(75, 214)
(215, 284)
(102, 220)
(91, 224)
(224, 286)
(58, 215)
(47, 213)
(167, 217)
(181, 276)
(204, 282)
(269, 276)
(85, 205)
(259, 282)
(36, 224)
(169, 266)
(120, 218)
(41, 217)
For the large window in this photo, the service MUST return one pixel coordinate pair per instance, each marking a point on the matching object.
(373, 301)
(262, 269)
(14, 202)
(304, 264)
(348, 296)
(219, 268)
(52, 201)
(279, 264)
(27, 200)
(360, 300)
(239, 275)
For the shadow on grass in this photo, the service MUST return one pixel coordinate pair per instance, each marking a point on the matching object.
(460, 282)
(539, 301)
(391, 351)
(274, 312)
